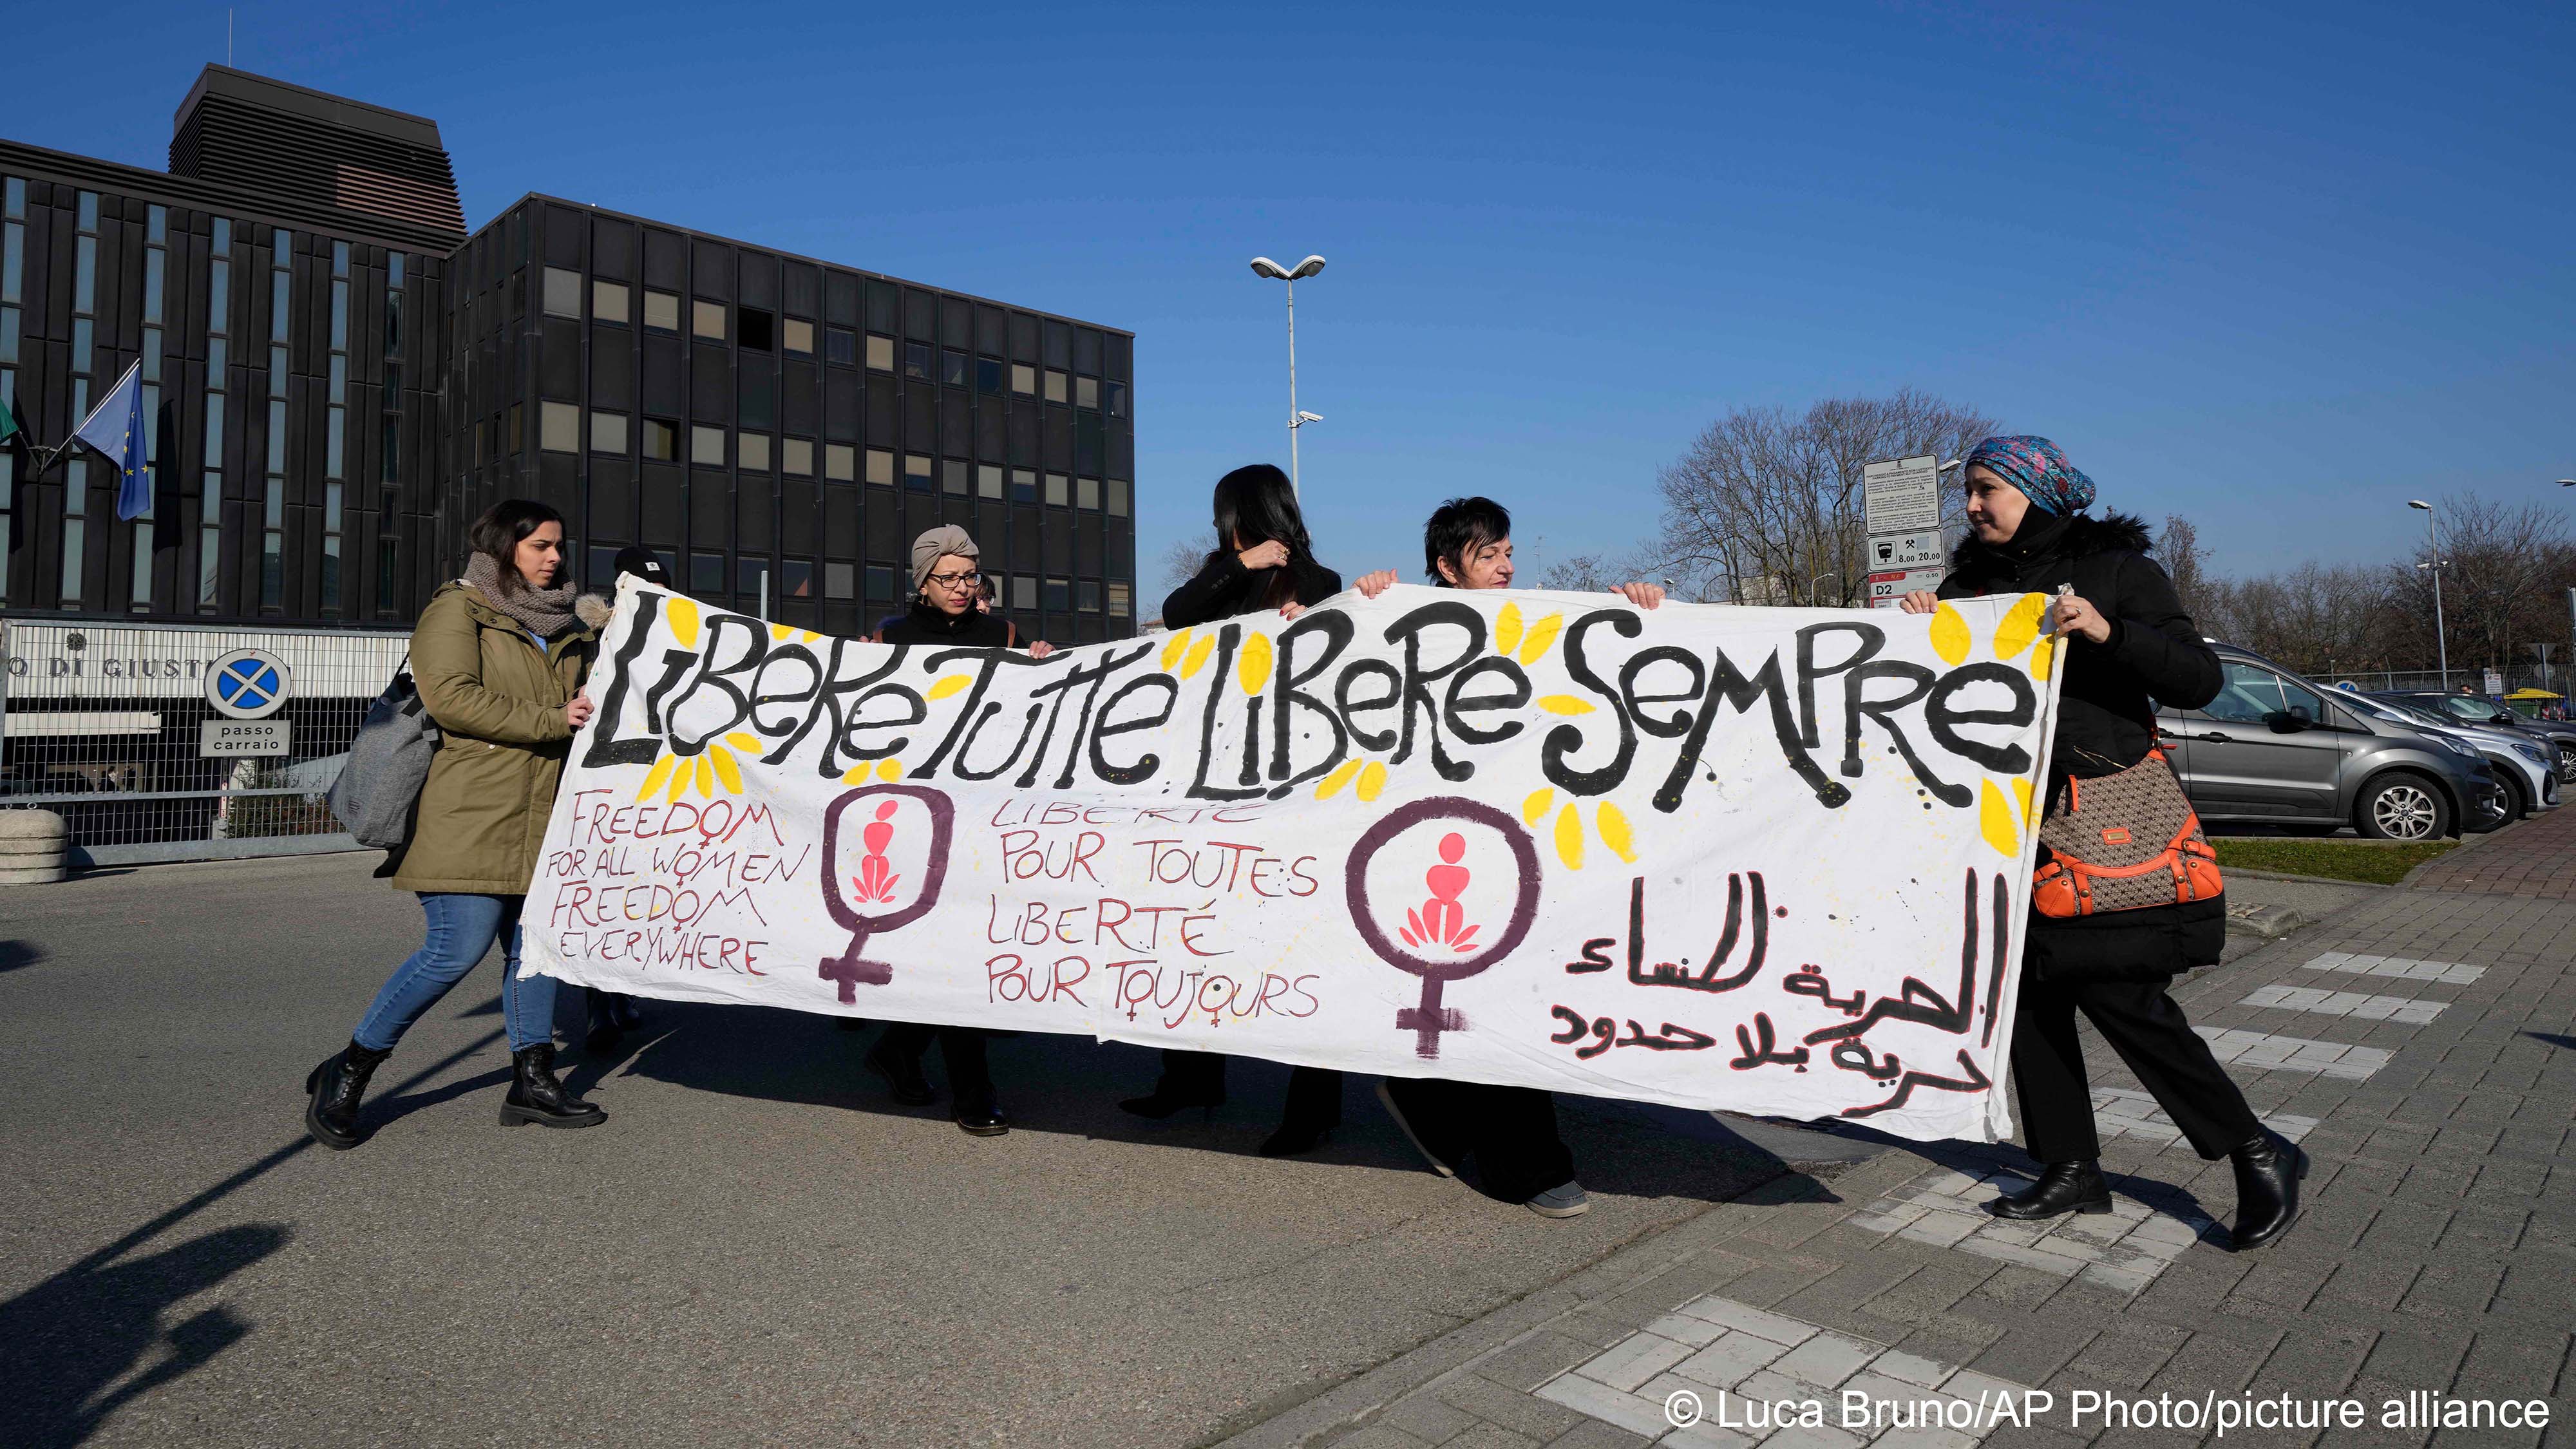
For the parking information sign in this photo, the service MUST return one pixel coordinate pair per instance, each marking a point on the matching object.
(1886, 589)
(218, 738)
(1917, 550)
(1902, 495)
(248, 684)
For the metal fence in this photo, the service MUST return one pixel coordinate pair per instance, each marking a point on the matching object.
(102, 723)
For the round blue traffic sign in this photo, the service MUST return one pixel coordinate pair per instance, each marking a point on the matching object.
(248, 684)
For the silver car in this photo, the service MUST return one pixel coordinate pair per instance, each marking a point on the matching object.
(2520, 762)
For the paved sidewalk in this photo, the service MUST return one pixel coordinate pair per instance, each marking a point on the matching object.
(2535, 858)
(2421, 1044)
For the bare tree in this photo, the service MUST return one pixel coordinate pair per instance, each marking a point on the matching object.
(1772, 504)
(2499, 562)
(2186, 563)
(1181, 561)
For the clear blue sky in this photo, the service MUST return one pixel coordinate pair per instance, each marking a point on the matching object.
(2277, 268)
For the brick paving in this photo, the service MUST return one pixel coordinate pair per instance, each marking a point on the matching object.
(2436, 1252)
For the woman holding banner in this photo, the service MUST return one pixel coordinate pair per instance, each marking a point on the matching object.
(947, 583)
(2129, 646)
(1263, 560)
(500, 656)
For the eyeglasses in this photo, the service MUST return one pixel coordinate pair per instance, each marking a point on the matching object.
(967, 579)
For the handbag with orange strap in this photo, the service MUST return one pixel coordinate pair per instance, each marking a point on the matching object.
(2123, 842)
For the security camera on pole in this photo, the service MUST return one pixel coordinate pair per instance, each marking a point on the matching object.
(1264, 267)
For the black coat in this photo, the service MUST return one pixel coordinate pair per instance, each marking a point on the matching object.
(1223, 588)
(2106, 716)
(973, 629)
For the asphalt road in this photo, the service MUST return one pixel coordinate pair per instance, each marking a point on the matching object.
(756, 1247)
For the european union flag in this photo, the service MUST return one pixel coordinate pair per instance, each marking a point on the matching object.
(114, 429)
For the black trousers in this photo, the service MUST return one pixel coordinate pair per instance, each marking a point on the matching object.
(2144, 1025)
(1314, 1093)
(1510, 1131)
(970, 1077)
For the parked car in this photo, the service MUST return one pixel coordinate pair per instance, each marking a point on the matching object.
(2478, 709)
(2521, 763)
(2275, 749)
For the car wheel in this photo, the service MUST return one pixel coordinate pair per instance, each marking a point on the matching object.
(2402, 807)
(2567, 762)
(2517, 800)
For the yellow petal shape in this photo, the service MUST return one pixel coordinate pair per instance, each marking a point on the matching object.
(779, 632)
(1540, 636)
(855, 775)
(726, 770)
(1949, 635)
(1569, 838)
(682, 773)
(748, 744)
(1340, 776)
(889, 768)
(1564, 704)
(1372, 780)
(1172, 651)
(2019, 626)
(948, 684)
(1198, 657)
(1536, 805)
(2021, 790)
(706, 777)
(1507, 629)
(1994, 819)
(654, 777)
(2042, 655)
(1252, 666)
(1613, 824)
(683, 614)
(809, 637)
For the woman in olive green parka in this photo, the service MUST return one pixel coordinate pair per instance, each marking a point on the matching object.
(500, 656)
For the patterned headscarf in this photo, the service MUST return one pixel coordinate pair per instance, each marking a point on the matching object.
(2036, 467)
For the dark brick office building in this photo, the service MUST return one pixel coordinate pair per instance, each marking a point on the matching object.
(340, 378)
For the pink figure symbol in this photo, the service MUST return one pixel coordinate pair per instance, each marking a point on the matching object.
(876, 879)
(1441, 920)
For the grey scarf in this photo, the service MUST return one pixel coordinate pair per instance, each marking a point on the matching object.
(548, 612)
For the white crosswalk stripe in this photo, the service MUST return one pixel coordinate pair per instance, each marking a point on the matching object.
(2354, 1004)
(2448, 972)
(2238, 1047)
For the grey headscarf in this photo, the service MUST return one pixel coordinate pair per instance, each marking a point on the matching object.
(938, 543)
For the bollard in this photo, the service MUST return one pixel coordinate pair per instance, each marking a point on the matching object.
(33, 847)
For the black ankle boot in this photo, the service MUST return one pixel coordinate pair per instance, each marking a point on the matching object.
(535, 1095)
(902, 1072)
(1296, 1139)
(977, 1116)
(336, 1087)
(1168, 1099)
(2063, 1187)
(2268, 1170)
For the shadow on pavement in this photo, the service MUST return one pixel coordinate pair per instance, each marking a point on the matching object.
(14, 954)
(2553, 1038)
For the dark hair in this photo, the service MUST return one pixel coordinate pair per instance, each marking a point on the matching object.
(1458, 528)
(1257, 504)
(502, 528)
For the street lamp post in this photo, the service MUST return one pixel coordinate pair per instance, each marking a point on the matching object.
(1264, 267)
(2441, 639)
(1812, 593)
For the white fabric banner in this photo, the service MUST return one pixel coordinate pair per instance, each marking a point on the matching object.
(1769, 860)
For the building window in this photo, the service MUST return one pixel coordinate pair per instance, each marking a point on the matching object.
(607, 301)
(795, 578)
(707, 320)
(662, 310)
(559, 427)
(757, 331)
(1118, 497)
(607, 432)
(988, 376)
(880, 353)
(916, 360)
(880, 582)
(707, 445)
(954, 476)
(210, 486)
(1087, 596)
(1024, 592)
(796, 456)
(1086, 493)
(706, 575)
(1086, 392)
(1120, 602)
(1059, 596)
(563, 293)
(751, 581)
(840, 463)
(881, 466)
(751, 452)
(1059, 490)
(1024, 379)
(988, 480)
(1055, 386)
(916, 472)
(1024, 485)
(840, 580)
(661, 440)
(1118, 399)
(841, 345)
(952, 369)
(799, 336)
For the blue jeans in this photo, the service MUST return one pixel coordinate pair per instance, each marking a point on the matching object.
(461, 929)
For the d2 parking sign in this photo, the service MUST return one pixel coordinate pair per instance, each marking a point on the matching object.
(248, 684)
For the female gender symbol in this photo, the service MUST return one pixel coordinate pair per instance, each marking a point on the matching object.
(874, 881)
(1442, 919)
